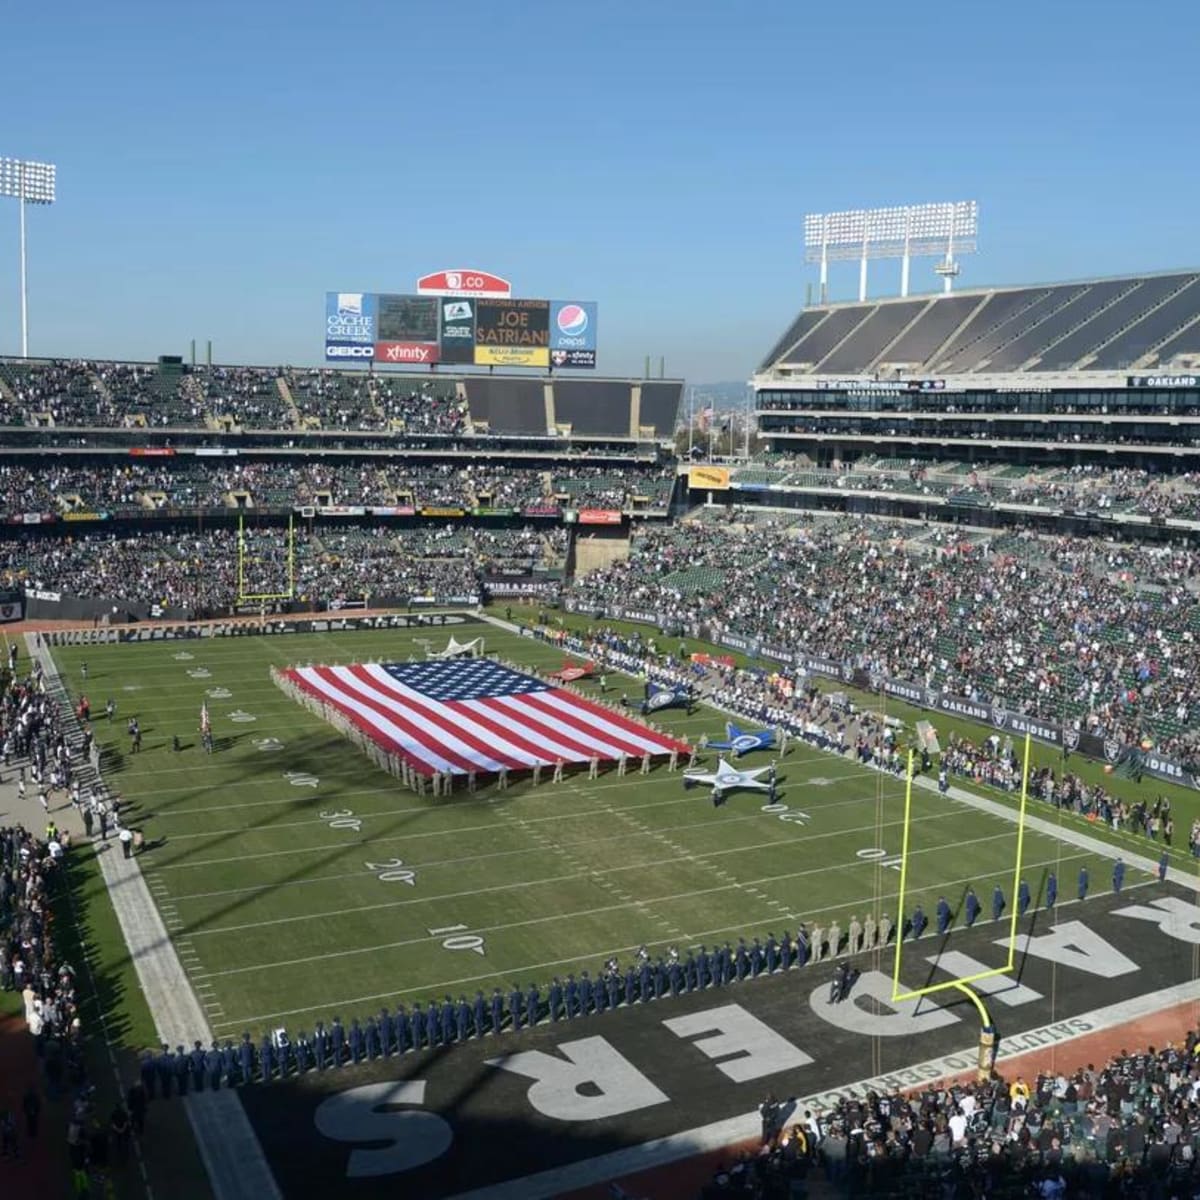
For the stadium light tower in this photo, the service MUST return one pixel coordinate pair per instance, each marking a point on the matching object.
(907, 232)
(27, 183)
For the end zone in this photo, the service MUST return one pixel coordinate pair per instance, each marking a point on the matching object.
(584, 1101)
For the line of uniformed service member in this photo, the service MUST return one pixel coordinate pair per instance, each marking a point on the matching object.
(445, 1022)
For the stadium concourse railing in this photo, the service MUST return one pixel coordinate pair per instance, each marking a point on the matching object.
(40, 604)
(255, 626)
(994, 714)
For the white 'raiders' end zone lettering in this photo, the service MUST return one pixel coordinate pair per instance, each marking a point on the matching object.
(373, 1113)
(759, 1049)
(1073, 944)
(1176, 918)
(1004, 988)
(896, 1018)
(590, 1080)
(615, 1086)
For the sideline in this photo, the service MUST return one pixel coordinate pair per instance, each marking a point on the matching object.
(237, 1168)
(1062, 833)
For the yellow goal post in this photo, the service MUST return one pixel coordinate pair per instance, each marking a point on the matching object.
(245, 597)
(963, 983)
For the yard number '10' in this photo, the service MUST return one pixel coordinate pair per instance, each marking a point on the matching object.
(341, 818)
(460, 941)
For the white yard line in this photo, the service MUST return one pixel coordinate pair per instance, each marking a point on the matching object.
(568, 846)
(449, 832)
(581, 842)
(736, 885)
(601, 955)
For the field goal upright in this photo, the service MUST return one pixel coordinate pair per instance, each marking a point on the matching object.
(965, 983)
(250, 568)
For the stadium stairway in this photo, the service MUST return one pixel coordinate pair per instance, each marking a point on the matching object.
(460, 397)
(285, 394)
(376, 408)
(102, 388)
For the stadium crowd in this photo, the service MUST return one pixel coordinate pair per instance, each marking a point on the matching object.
(123, 487)
(1083, 487)
(1100, 635)
(198, 571)
(83, 394)
(1127, 1128)
(980, 429)
(611, 487)
(795, 706)
(32, 874)
(421, 410)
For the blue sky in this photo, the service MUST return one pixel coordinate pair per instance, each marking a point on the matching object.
(221, 166)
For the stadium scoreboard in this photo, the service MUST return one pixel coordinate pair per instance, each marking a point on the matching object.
(459, 330)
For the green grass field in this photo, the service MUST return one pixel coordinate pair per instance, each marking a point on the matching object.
(282, 916)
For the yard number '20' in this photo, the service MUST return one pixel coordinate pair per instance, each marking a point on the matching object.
(393, 871)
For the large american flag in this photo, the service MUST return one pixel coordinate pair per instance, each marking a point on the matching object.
(467, 715)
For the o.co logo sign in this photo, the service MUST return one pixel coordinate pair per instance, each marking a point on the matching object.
(464, 283)
(713, 479)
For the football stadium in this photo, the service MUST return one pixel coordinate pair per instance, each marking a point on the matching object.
(455, 768)
(465, 793)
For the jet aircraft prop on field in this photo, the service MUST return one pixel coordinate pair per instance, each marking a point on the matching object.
(742, 741)
(727, 778)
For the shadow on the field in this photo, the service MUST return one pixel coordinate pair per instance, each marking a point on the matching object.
(159, 853)
(997, 985)
(462, 1142)
(75, 939)
(297, 807)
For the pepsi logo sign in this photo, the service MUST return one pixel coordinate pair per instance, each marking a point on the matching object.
(572, 320)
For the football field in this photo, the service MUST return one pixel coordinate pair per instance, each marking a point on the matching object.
(299, 882)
